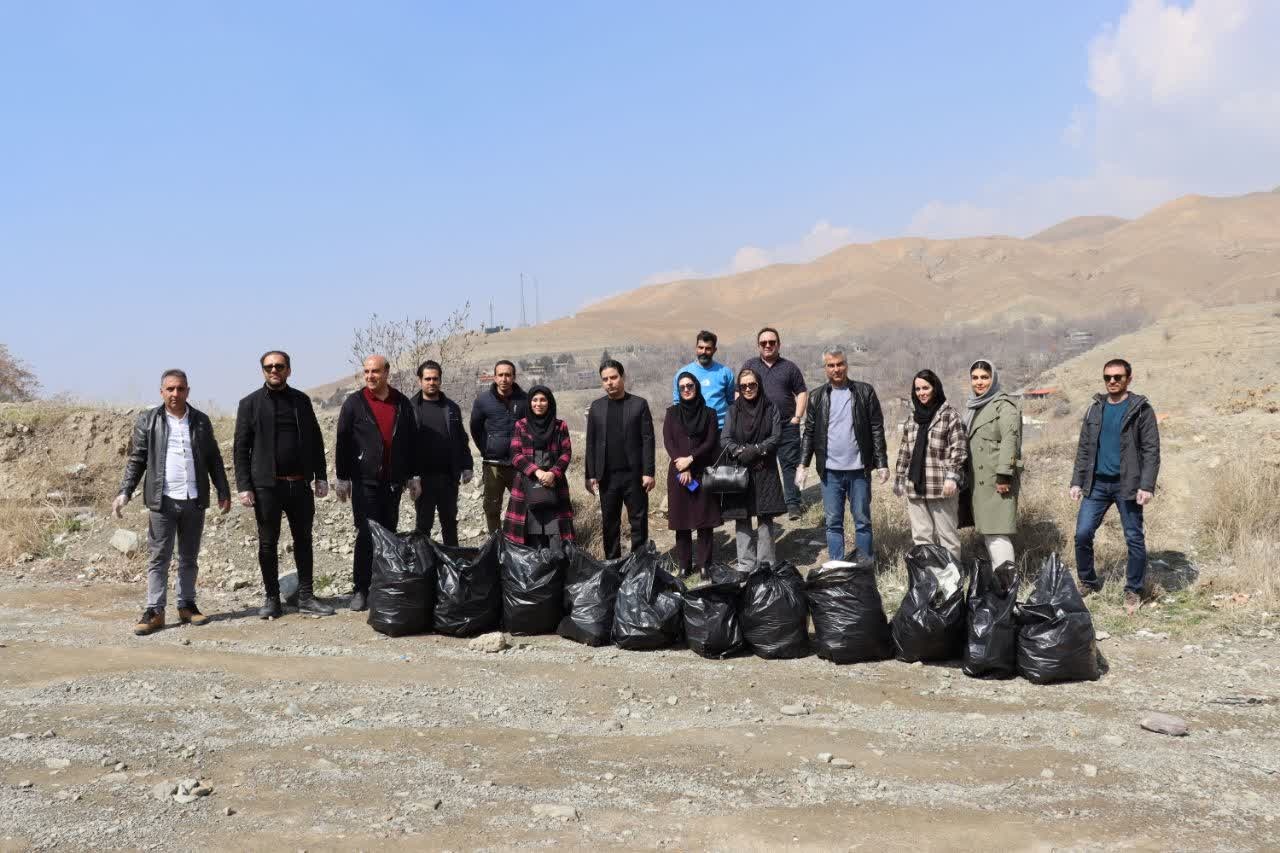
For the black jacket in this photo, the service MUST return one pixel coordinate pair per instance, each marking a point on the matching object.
(1139, 447)
(150, 443)
(868, 427)
(357, 452)
(254, 451)
(460, 458)
(637, 429)
(493, 420)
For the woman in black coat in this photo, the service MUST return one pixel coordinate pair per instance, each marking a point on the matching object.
(691, 436)
(752, 430)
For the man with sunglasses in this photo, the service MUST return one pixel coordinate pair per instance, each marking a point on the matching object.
(280, 471)
(785, 388)
(1117, 462)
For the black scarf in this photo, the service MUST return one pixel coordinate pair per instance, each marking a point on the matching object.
(542, 428)
(923, 416)
(752, 419)
(694, 414)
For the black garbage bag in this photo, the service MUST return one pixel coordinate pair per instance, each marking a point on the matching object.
(468, 589)
(849, 624)
(711, 625)
(929, 624)
(991, 650)
(1056, 641)
(646, 614)
(590, 590)
(774, 613)
(402, 593)
(532, 589)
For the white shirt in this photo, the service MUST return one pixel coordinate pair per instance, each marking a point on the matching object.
(179, 461)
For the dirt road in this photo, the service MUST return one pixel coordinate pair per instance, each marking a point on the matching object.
(320, 734)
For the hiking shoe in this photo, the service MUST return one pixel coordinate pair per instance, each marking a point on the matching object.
(1087, 590)
(191, 615)
(152, 620)
(794, 513)
(308, 603)
(359, 601)
(1131, 603)
(270, 608)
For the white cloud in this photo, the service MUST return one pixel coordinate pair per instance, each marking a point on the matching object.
(821, 239)
(1186, 98)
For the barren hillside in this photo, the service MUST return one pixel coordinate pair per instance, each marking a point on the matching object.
(1196, 251)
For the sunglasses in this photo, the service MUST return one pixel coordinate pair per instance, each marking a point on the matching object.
(748, 386)
(1113, 377)
(685, 386)
(768, 343)
(274, 367)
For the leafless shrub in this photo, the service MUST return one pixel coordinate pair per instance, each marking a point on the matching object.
(17, 383)
(407, 343)
(1240, 518)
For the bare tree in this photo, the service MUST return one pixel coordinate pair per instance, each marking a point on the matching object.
(409, 342)
(17, 382)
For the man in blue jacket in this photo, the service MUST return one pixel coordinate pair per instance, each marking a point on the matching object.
(1117, 462)
(493, 418)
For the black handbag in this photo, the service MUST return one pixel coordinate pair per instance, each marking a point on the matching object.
(537, 495)
(720, 479)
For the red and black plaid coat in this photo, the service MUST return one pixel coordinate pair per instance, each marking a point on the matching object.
(522, 460)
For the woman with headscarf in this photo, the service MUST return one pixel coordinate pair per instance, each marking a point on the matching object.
(540, 513)
(993, 422)
(691, 436)
(933, 450)
(752, 430)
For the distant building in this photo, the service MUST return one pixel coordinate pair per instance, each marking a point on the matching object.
(1038, 393)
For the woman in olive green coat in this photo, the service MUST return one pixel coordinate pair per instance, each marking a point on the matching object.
(994, 425)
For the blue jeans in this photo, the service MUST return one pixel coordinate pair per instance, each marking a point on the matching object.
(837, 487)
(1092, 509)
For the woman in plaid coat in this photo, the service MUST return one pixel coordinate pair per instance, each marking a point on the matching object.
(540, 454)
(933, 449)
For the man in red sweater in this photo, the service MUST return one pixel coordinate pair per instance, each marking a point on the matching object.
(375, 459)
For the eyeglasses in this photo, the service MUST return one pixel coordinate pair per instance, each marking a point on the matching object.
(1113, 377)
(687, 386)
(274, 367)
(748, 386)
(768, 343)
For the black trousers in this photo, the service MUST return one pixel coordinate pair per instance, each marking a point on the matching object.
(293, 500)
(684, 549)
(616, 490)
(439, 495)
(377, 501)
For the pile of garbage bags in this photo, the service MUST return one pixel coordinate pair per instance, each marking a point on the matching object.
(637, 603)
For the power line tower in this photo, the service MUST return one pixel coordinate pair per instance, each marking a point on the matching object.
(524, 318)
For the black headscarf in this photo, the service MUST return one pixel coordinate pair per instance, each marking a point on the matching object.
(695, 415)
(923, 414)
(543, 427)
(752, 419)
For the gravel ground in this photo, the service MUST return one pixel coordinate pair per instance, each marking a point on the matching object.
(321, 734)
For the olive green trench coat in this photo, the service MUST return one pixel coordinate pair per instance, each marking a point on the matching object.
(995, 449)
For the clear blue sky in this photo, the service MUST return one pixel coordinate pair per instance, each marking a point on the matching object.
(190, 183)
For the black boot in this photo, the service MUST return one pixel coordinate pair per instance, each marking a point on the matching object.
(308, 603)
(270, 608)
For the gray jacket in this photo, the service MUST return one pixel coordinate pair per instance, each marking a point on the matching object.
(1139, 447)
(147, 449)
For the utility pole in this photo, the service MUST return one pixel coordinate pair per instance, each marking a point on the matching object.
(490, 313)
(537, 302)
(524, 318)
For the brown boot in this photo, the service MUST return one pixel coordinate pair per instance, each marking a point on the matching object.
(191, 615)
(152, 620)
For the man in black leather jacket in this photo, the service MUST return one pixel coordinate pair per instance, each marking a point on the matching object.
(848, 440)
(175, 455)
(278, 453)
(493, 418)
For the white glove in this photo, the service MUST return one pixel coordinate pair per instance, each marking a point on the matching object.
(802, 474)
(466, 476)
(117, 505)
(342, 488)
(321, 488)
(415, 488)
(246, 499)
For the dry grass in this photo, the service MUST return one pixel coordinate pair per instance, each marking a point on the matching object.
(1241, 517)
